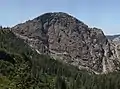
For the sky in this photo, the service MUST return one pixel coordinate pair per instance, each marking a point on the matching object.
(103, 14)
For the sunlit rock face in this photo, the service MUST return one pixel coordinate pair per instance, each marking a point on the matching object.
(67, 39)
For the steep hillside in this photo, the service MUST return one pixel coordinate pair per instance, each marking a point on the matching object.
(65, 38)
(23, 68)
(25, 65)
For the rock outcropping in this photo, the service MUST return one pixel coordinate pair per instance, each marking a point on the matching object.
(69, 40)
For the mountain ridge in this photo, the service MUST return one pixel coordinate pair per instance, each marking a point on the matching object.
(64, 37)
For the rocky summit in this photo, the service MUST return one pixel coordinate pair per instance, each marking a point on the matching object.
(69, 40)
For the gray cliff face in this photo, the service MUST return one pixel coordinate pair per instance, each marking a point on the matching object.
(67, 39)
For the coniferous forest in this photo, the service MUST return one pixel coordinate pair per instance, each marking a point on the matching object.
(22, 68)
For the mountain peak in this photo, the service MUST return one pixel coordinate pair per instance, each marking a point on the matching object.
(64, 37)
(56, 16)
